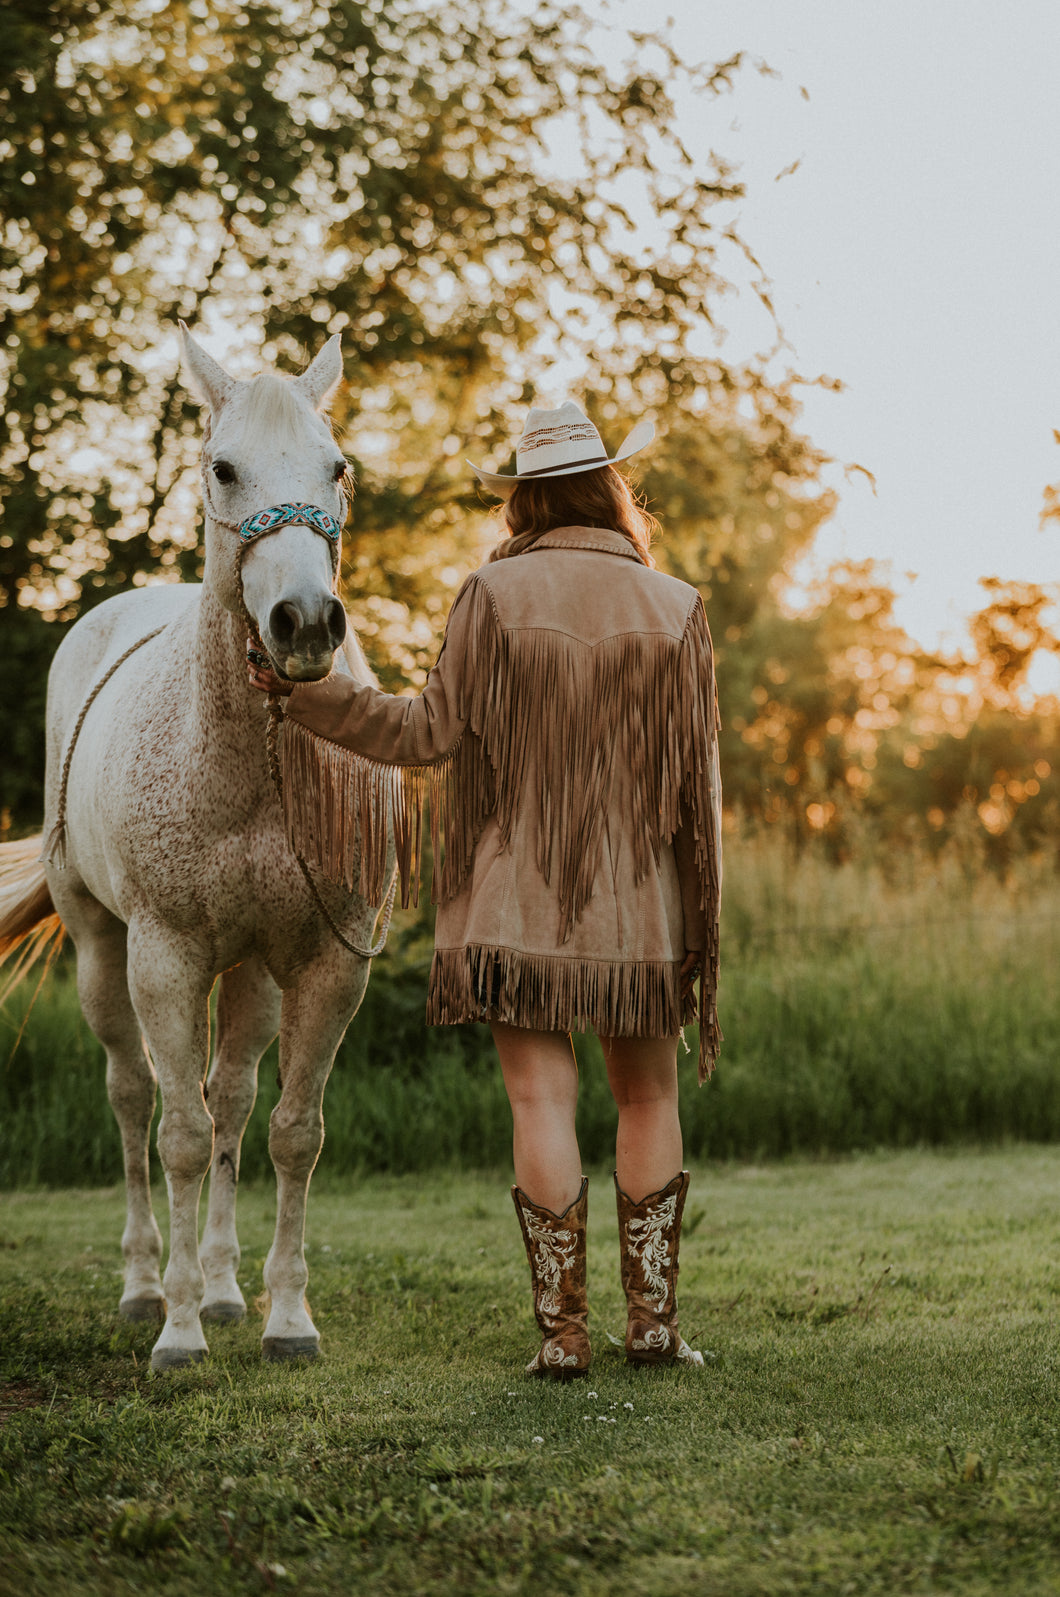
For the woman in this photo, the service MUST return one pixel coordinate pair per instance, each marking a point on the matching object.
(567, 735)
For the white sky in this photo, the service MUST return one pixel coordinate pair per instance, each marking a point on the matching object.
(915, 255)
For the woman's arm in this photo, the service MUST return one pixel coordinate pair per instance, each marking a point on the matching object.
(383, 726)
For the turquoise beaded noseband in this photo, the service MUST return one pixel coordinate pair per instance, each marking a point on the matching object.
(271, 520)
(282, 515)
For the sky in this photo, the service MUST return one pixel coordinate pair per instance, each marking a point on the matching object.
(915, 255)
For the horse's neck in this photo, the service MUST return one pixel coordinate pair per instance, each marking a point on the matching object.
(221, 702)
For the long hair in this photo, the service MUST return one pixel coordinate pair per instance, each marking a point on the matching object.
(600, 498)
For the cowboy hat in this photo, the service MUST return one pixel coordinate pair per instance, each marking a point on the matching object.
(558, 443)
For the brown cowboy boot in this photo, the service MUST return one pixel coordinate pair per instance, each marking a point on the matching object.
(555, 1247)
(648, 1236)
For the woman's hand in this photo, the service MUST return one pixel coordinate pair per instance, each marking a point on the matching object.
(267, 681)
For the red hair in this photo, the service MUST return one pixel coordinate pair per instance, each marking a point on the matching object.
(600, 498)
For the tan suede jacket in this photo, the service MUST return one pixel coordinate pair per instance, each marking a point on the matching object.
(567, 739)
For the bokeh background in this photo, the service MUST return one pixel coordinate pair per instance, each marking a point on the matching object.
(706, 224)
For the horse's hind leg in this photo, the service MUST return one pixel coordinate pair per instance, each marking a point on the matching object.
(315, 1015)
(248, 1018)
(131, 1086)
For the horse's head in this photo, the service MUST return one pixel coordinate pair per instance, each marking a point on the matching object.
(268, 448)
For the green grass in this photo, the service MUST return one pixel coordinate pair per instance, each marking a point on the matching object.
(878, 1412)
(885, 1002)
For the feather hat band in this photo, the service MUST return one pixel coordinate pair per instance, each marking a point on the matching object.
(558, 443)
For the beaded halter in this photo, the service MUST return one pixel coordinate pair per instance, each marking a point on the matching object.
(282, 515)
(247, 531)
(256, 526)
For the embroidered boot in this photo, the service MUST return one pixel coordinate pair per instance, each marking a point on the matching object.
(555, 1247)
(648, 1236)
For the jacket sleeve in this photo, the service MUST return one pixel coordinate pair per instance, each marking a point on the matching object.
(388, 728)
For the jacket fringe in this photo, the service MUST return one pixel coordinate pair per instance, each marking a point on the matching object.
(531, 702)
(554, 992)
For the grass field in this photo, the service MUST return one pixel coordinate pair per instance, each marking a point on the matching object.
(893, 1001)
(879, 1411)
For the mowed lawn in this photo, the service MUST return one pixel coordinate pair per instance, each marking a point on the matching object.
(880, 1410)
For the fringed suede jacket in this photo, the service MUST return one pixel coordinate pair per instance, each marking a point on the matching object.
(567, 740)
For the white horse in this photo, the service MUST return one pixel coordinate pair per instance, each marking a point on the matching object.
(177, 869)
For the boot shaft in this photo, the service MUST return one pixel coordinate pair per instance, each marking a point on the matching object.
(649, 1234)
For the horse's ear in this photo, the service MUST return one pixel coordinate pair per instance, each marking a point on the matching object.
(208, 382)
(323, 375)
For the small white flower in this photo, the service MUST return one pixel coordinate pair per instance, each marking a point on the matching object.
(537, 1438)
(627, 1405)
(594, 1394)
(325, 1247)
(228, 1484)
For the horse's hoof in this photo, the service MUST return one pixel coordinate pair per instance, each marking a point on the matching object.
(290, 1347)
(226, 1313)
(176, 1358)
(142, 1309)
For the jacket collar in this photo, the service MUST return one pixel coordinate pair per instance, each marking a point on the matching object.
(596, 538)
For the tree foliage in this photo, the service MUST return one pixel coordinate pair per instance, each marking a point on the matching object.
(459, 188)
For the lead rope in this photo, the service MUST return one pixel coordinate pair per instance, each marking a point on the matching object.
(256, 648)
(272, 746)
(55, 848)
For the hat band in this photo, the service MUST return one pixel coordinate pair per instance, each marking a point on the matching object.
(567, 465)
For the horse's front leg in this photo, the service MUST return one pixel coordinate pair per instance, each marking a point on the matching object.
(170, 989)
(315, 1014)
(248, 1018)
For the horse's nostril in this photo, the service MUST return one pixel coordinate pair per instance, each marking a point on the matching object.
(335, 618)
(285, 622)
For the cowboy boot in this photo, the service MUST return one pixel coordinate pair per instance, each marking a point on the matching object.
(555, 1247)
(648, 1236)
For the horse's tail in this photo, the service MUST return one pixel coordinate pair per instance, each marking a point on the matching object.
(29, 926)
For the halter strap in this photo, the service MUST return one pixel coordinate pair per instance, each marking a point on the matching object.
(255, 526)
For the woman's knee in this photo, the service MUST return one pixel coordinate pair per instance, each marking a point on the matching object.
(642, 1070)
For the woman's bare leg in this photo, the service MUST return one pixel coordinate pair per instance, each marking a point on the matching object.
(643, 1076)
(541, 1079)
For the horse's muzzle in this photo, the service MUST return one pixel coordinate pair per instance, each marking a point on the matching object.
(302, 646)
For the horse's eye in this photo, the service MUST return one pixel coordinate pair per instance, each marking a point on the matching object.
(223, 471)
(340, 470)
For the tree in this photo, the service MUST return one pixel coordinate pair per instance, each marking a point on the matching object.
(378, 167)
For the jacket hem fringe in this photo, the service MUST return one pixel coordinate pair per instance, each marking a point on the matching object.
(549, 992)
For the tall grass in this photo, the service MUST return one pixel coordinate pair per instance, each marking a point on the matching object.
(887, 1001)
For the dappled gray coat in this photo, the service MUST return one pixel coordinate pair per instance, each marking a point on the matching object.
(567, 739)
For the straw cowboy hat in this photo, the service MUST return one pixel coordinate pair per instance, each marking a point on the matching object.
(558, 443)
